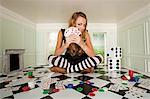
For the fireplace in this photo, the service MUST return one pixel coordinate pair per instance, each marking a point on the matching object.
(13, 60)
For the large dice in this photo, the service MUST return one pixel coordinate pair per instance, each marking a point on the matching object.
(115, 52)
(114, 64)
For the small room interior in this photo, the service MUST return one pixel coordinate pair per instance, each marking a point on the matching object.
(30, 25)
(29, 29)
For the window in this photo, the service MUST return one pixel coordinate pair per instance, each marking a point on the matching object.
(99, 42)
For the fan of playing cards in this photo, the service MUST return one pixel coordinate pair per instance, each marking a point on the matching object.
(72, 30)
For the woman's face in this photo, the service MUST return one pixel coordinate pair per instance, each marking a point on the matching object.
(81, 23)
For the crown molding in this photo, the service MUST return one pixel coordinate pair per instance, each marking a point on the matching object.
(10, 15)
(140, 14)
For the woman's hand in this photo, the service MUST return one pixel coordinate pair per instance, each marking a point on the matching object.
(76, 39)
(69, 40)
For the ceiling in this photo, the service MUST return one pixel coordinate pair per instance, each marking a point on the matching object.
(57, 11)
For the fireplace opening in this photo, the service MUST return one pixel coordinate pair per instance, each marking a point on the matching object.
(14, 62)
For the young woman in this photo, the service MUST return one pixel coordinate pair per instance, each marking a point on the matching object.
(79, 54)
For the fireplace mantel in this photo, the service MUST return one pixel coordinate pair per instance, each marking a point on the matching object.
(14, 51)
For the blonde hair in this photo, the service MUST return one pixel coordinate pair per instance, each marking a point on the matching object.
(72, 21)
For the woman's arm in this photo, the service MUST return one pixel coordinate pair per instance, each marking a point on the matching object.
(59, 47)
(87, 47)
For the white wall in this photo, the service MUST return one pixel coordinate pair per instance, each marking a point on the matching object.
(42, 30)
(0, 43)
(134, 37)
(18, 32)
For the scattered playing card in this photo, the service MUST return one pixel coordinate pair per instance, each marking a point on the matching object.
(135, 93)
(72, 30)
(5, 92)
(47, 82)
(145, 83)
(60, 85)
(114, 87)
(15, 88)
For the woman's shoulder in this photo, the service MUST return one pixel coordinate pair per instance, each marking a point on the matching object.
(61, 34)
(87, 34)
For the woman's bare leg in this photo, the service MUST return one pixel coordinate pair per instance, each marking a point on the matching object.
(89, 70)
(58, 69)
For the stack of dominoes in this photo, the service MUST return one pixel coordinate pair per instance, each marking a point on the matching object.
(114, 58)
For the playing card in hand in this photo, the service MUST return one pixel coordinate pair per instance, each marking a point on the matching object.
(72, 30)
